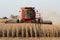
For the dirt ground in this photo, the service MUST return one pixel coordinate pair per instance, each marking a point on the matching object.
(42, 38)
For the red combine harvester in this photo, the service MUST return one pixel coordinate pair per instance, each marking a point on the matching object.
(29, 15)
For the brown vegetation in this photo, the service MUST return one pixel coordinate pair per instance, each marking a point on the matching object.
(43, 30)
(2, 20)
(46, 32)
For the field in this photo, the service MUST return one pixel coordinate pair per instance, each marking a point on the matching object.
(2, 20)
(32, 31)
(43, 38)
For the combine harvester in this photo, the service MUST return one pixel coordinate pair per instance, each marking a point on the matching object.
(28, 15)
(30, 20)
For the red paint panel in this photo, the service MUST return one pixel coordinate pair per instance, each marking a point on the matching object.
(22, 14)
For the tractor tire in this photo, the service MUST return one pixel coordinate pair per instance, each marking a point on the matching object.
(17, 20)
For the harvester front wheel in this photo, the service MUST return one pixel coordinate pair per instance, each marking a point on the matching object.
(17, 20)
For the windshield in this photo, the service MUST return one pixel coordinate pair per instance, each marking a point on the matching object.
(28, 13)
